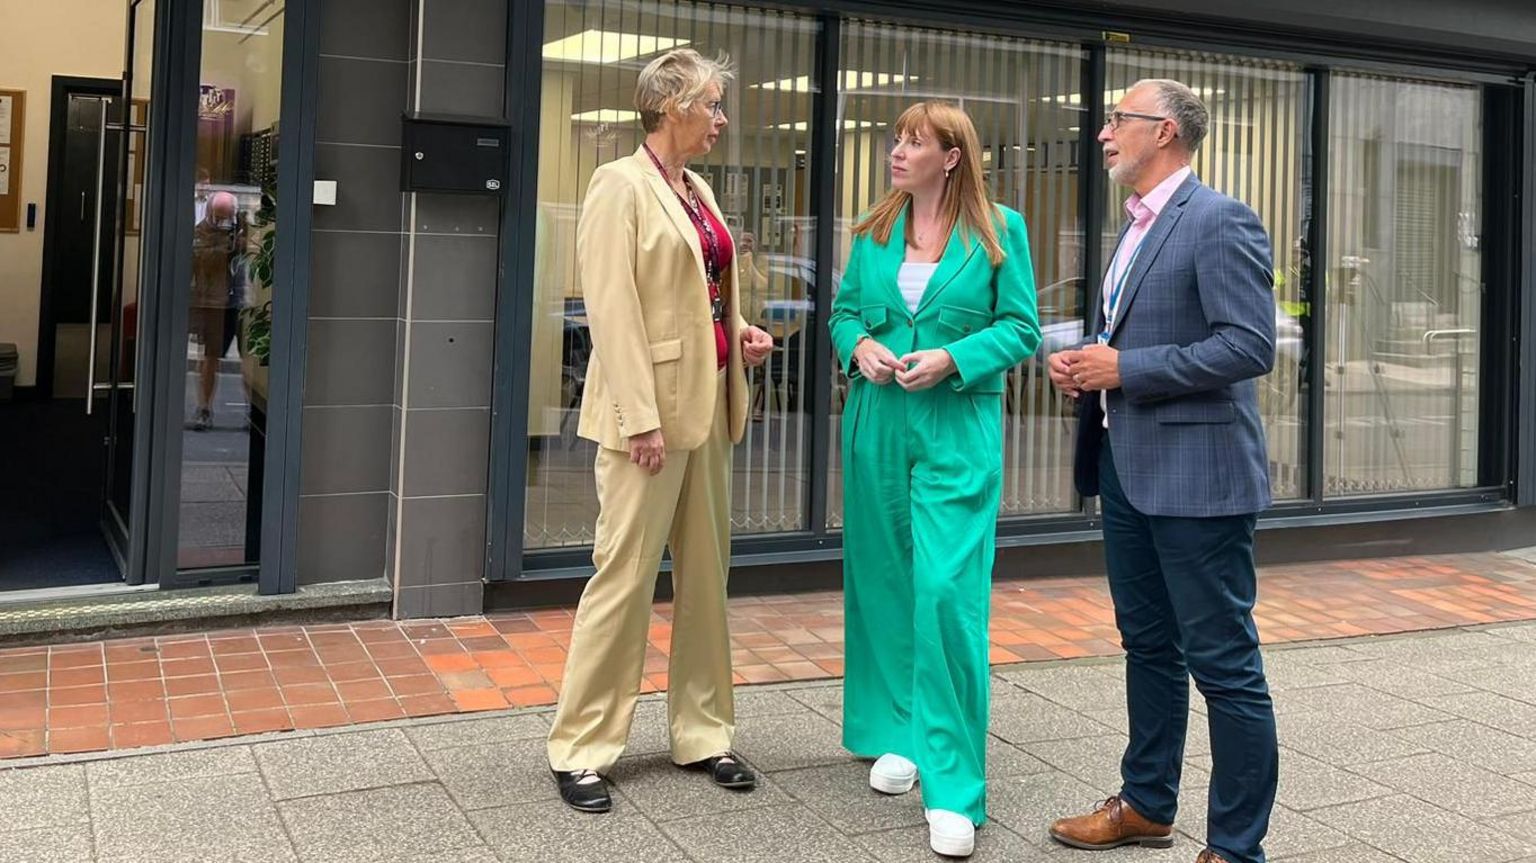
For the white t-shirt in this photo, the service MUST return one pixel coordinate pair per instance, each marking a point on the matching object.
(913, 279)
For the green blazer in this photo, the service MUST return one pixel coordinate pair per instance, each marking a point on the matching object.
(983, 315)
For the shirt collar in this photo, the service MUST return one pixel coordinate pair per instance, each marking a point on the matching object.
(1145, 209)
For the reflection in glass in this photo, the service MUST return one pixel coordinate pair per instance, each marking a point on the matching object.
(1020, 94)
(592, 54)
(230, 298)
(1404, 286)
(1253, 151)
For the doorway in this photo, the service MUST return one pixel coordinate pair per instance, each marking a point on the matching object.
(57, 436)
(69, 482)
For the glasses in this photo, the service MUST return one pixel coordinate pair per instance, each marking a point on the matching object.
(1118, 117)
(714, 108)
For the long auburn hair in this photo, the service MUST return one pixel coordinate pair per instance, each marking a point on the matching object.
(965, 201)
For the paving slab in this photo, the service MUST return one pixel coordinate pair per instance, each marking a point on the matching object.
(551, 832)
(379, 825)
(332, 763)
(209, 818)
(1419, 832)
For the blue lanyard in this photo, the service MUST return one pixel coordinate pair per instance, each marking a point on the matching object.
(1118, 285)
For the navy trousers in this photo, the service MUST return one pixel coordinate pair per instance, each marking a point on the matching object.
(1184, 590)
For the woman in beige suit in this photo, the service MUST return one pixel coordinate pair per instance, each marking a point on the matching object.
(665, 399)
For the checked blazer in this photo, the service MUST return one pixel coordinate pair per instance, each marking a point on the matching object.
(1196, 327)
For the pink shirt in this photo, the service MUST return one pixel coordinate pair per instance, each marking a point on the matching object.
(1142, 212)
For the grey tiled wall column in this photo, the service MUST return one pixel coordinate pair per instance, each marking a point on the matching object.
(355, 284)
(402, 296)
(447, 303)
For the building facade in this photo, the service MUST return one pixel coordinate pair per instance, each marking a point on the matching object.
(348, 381)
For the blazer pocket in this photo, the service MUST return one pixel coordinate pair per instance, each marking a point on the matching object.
(667, 351)
(1185, 412)
(962, 322)
(873, 318)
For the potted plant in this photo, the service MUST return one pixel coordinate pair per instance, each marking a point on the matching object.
(256, 318)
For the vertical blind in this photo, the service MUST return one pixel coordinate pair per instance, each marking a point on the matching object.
(1254, 150)
(593, 53)
(1403, 275)
(1023, 97)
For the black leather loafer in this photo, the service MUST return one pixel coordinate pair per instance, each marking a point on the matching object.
(727, 772)
(589, 796)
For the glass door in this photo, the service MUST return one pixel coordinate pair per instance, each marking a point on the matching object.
(128, 121)
(229, 307)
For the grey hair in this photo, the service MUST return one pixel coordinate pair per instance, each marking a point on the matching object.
(677, 79)
(1180, 103)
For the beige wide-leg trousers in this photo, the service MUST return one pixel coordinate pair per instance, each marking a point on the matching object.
(687, 508)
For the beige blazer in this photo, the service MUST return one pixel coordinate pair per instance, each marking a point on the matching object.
(653, 342)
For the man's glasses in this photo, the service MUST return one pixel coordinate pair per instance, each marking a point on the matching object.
(1118, 117)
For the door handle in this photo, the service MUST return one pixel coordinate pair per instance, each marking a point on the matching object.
(101, 169)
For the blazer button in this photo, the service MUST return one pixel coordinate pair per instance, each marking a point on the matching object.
(966, 328)
(909, 322)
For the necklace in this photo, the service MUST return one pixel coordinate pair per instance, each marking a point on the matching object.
(922, 235)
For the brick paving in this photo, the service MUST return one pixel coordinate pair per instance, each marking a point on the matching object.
(149, 691)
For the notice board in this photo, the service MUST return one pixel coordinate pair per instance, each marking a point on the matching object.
(13, 133)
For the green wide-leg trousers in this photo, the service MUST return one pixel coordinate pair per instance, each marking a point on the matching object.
(922, 475)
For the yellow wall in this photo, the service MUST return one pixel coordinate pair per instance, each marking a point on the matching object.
(39, 40)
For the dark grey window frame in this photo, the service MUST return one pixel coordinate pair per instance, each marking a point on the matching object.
(1525, 379)
(506, 488)
(1510, 476)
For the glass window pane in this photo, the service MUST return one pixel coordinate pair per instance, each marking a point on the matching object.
(230, 306)
(1404, 285)
(1253, 151)
(1024, 99)
(593, 52)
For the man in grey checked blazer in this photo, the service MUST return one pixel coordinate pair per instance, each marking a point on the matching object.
(1170, 440)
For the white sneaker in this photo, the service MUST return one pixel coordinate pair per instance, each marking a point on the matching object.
(950, 833)
(892, 774)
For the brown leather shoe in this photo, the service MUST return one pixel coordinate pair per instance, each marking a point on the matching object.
(1112, 824)
(1209, 856)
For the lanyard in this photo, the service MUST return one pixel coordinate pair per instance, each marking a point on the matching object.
(705, 229)
(1117, 285)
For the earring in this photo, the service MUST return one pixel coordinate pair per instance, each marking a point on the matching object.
(946, 174)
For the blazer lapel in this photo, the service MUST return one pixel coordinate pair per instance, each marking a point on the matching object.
(891, 256)
(957, 253)
(1162, 228)
(674, 208)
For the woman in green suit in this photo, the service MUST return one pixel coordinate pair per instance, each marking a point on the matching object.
(936, 305)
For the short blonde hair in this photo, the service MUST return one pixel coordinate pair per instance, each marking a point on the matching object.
(677, 79)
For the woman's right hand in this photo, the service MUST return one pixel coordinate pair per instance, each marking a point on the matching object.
(649, 451)
(876, 362)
